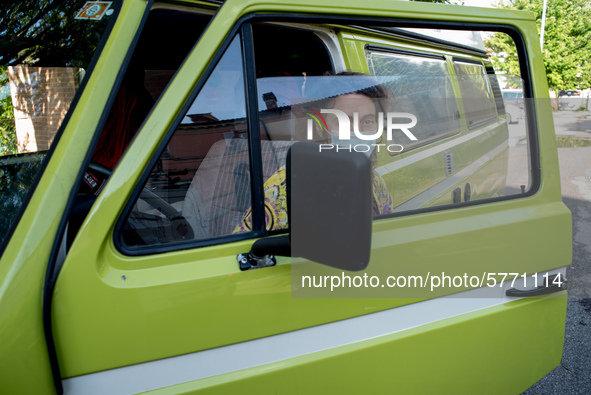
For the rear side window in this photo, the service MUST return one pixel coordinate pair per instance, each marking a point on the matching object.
(477, 95)
(496, 89)
(421, 87)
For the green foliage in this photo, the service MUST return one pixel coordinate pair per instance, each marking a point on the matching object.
(435, 1)
(567, 53)
(45, 33)
(420, 87)
(39, 33)
(17, 175)
(8, 142)
(454, 2)
(571, 142)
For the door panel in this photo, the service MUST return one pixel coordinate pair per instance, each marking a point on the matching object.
(113, 310)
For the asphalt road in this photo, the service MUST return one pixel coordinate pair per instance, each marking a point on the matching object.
(573, 375)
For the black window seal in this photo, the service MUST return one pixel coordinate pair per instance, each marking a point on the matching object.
(497, 93)
(405, 34)
(397, 51)
(457, 59)
(254, 138)
(513, 32)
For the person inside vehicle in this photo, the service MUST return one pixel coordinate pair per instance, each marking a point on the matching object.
(367, 103)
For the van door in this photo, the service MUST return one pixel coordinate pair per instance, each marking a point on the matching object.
(151, 295)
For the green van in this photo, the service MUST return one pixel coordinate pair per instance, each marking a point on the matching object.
(275, 197)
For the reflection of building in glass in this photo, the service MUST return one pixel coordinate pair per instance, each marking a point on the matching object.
(202, 118)
(270, 100)
(41, 97)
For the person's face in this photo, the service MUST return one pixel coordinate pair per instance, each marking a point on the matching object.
(349, 104)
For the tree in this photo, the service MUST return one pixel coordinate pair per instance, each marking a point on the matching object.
(435, 1)
(567, 53)
(41, 33)
(8, 144)
(46, 33)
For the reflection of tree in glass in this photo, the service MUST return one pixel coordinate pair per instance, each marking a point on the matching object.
(417, 74)
(422, 88)
(17, 174)
(8, 144)
(45, 33)
(53, 47)
(45, 48)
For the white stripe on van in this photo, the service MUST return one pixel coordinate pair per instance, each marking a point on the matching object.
(203, 364)
(399, 164)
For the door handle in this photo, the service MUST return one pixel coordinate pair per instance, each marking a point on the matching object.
(541, 290)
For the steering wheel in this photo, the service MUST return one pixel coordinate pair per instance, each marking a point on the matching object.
(180, 228)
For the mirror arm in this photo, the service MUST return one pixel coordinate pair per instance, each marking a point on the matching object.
(280, 246)
(263, 251)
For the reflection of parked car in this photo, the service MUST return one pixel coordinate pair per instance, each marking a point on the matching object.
(512, 94)
(513, 99)
(569, 93)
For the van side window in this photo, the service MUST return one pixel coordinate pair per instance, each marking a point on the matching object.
(286, 58)
(477, 95)
(431, 121)
(424, 88)
(464, 150)
(153, 63)
(200, 186)
(496, 89)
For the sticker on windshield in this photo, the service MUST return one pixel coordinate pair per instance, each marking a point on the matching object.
(94, 10)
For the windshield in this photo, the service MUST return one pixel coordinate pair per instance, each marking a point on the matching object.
(45, 49)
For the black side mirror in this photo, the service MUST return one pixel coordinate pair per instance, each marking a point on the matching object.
(329, 207)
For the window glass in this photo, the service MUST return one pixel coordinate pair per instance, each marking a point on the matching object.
(408, 112)
(477, 95)
(287, 58)
(152, 65)
(46, 47)
(166, 38)
(200, 186)
(496, 90)
(469, 146)
(424, 88)
(505, 66)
